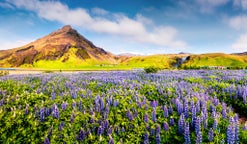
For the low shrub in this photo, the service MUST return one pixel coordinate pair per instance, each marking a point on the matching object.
(151, 69)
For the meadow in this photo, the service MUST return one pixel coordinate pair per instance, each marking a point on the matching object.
(192, 106)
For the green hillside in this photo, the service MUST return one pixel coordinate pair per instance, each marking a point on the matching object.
(162, 61)
(217, 59)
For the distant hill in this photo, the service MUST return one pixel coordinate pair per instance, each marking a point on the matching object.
(67, 49)
(241, 54)
(217, 59)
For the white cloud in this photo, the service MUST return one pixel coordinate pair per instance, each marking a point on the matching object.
(238, 22)
(208, 6)
(134, 29)
(240, 3)
(241, 43)
(99, 11)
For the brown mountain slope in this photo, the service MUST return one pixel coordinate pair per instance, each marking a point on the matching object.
(55, 46)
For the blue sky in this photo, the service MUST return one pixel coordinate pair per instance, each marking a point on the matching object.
(131, 26)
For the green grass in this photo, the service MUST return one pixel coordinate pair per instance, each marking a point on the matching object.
(217, 60)
(162, 61)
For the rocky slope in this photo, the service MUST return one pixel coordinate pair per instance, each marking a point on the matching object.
(54, 47)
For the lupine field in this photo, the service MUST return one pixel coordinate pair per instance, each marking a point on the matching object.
(195, 106)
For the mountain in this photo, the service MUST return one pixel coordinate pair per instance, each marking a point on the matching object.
(241, 54)
(64, 47)
(67, 49)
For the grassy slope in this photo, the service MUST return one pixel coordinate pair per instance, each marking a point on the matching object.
(217, 59)
(145, 61)
(74, 63)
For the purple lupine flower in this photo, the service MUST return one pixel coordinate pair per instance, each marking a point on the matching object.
(55, 111)
(26, 110)
(186, 109)
(187, 133)
(244, 96)
(198, 125)
(102, 103)
(154, 115)
(152, 131)
(46, 141)
(80, 106)
(170, 110)
(61, 125)
(145, 139)
(199, 138)
(129, 115)
(106, 124)
(166, 126)
(229, 135)
(64, 106)
(165, 112)
(82, 135)
(111, 141)
(53, 95)
(109, 131)
(215, 101)
(215, 124)
(48, 112)
(172, 121)
(179, 108)
(74, 105)
(100, 131)
(181, 124)
(157, 128)
(146, 118)
(42, 114)
(72, 117)
(236, 129)
(210, 135)
(116, 103)
(123, 130)
(73, 95)
(193, 118)
(157, 138)
(224, 114)
(136, 113)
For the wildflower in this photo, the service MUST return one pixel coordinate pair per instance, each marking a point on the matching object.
(199, 138)
(46, 141)
(82, 135)
(165, 112)
(187, 133)
(172, 121)
(154, 115)
(55, 111)
(211, 135)
(181, 124)
(166, 126)
(100, 131)
(145, 140)
(146, 118)
(157, 138)
(42, 114)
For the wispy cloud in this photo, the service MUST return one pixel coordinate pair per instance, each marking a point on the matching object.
(241, 43)
(238, 22)
(241, 4)
(208, 6)
(135, 29)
